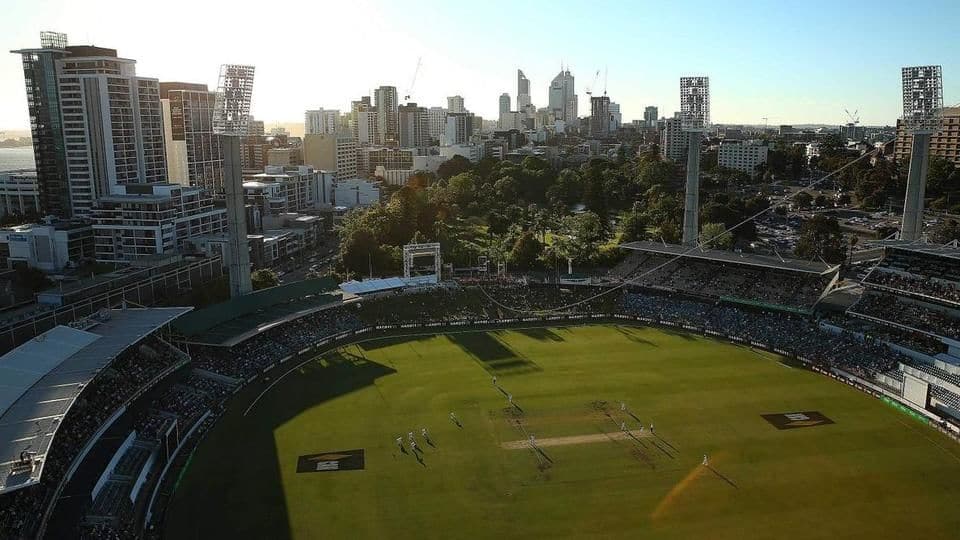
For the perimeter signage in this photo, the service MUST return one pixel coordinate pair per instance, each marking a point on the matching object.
(341, 460)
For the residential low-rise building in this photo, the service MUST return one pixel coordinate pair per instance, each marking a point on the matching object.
(356, 193)
(944, 143)
(473, 152)
(335, 152)
(281, 190)
(372, 157)
(50, 248)
(285, 157)
(673, 140)
(143, 220)
(19, 193)
(743, 156)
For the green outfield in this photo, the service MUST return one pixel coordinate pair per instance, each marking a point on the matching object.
(871, 473)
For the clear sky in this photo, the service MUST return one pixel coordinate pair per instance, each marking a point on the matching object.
(793, 62)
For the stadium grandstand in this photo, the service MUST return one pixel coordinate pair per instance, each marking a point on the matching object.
(911, 299)
(773, 283)
(59, 390)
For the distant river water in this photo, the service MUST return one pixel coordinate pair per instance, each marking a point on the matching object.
(16, 158)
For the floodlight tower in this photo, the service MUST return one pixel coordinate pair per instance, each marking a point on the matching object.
(230, 118)
(922, 110)
(695, 119)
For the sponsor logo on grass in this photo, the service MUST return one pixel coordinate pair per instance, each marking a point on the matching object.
(341, 460)
(793, 420)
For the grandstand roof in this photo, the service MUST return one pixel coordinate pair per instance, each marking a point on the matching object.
(203, 320)
(939, 250)
(368, 286)
(237, 319)
(730, 257)
(372, 285)
(42, 378)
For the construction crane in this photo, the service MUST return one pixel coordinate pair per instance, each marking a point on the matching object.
(854, 117)
(590, 88)
(413, 81)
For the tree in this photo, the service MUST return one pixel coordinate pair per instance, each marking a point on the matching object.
(264, 278)
(820, 238)
(581, 235)
(461, 189)
(526, 250)
(946, 231)
(669, 232)
(803, 200)
(454, 166)
(941, 176)
(633, 227)
(715, 235)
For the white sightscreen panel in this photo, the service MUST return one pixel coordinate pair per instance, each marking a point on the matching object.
(915, 390)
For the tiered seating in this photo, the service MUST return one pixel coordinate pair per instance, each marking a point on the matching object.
(110, 502)
(946, 396)
(132, 461)
(941, 374)
(911, 314)
(714, 278)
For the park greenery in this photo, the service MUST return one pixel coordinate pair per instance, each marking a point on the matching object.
(533, 216)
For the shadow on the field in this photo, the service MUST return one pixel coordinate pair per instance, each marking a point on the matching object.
(492, 354)
(375, 344)
(633, 337)
(540, 334)
(678, 333)
(666, 442)
(239, 487)
(722, 477)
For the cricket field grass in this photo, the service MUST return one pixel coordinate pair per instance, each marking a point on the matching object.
(848, 466)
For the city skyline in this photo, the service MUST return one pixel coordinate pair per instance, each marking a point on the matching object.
(808, 72)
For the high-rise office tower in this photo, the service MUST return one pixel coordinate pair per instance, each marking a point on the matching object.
(436, 123)
(455, 104)
(385, 100)
(563, 97)
(650, 117)
(599, 116)
(113, 132)
(356, 107)
(321, 121)
(459, 128)
(43, 102)
(615, 119)
(414, 129)
(368, 127)
(193, 153)
(523, 91)
(504, 103)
